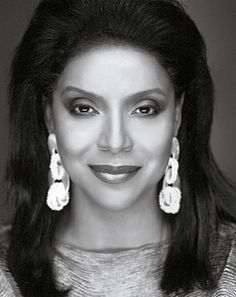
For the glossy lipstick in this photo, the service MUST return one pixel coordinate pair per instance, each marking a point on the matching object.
(114, 174)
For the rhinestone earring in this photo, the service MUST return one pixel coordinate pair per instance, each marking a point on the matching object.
(170, 195)
(58, 193)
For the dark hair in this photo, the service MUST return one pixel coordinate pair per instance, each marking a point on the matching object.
(60, 29)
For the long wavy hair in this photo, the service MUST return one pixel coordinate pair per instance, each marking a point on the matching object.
(60, 29)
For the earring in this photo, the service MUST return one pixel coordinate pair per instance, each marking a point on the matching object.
(58, 193)
(170, 195)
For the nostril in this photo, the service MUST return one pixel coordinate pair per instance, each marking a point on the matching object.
(115, 140)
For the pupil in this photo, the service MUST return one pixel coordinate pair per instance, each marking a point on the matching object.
(84, 109)
(144, 109)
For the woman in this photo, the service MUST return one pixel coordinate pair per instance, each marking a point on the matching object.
(116, 189)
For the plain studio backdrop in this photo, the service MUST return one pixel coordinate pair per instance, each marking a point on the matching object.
(216, 20)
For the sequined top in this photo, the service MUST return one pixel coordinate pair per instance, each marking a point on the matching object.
(134, 272)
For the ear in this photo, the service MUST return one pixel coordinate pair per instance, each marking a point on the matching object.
(49, 118)
(178, 114)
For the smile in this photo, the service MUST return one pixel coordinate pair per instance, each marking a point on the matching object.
(114, 174)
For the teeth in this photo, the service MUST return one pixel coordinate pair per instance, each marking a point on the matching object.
(114, 176)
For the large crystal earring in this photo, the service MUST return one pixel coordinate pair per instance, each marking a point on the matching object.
(170, 195)
(58, 193)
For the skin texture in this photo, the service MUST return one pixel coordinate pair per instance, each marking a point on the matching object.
(114, 105)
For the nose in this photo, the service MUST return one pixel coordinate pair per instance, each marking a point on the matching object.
(114, 136)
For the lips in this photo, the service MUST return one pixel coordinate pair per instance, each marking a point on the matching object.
(114, 174)
(114, 169)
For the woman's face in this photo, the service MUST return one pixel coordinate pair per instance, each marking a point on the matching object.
(114, 106)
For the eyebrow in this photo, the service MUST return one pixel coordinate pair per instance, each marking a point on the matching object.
(158, 91)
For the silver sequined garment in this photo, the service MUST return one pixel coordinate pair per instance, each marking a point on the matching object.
(132, 272)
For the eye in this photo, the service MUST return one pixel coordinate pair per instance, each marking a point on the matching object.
(83, 109)
(146, 110)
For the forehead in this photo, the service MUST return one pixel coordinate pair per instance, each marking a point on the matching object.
(117, 69)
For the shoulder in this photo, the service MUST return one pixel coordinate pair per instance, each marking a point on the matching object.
(227, 230)
(225, 259)
(225, 238)
(8, 287)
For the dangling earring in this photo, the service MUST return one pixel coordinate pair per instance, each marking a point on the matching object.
(58, 193)
(170, 195)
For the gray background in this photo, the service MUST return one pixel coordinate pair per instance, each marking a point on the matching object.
(216, 20)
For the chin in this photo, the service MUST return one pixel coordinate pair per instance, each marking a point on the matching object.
(115, 202)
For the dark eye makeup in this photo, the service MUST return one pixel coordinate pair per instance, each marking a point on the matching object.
(83, 109)
(80, 107)
(147, 110)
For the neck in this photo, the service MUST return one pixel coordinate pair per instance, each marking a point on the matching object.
(93, 228)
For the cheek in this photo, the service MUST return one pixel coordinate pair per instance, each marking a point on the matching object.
(74, 139)
(154, 141)
(156, 135)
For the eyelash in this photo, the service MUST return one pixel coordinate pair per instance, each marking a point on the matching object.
(73, 110)
(155, 110)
